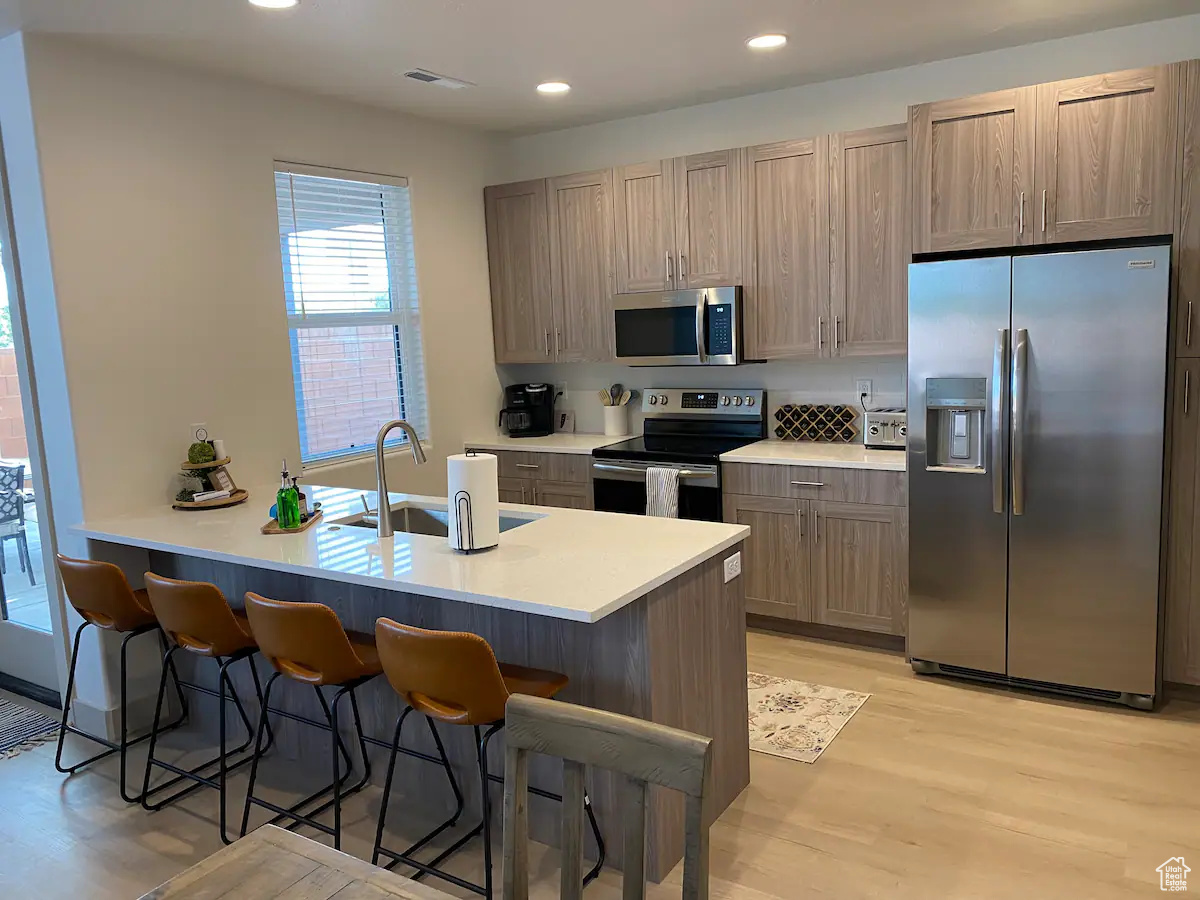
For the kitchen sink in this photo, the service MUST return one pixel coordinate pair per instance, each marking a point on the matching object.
(413, 519)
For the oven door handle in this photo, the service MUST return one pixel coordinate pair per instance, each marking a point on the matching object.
(630, 470)
(701, 337)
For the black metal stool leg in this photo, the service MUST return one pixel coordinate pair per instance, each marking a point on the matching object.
(486, 786)
(67, 698)
(258, 750)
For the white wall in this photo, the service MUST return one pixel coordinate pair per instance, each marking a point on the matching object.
(160, 205)
(843, 105)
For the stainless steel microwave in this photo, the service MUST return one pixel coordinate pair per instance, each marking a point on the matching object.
(679, 328)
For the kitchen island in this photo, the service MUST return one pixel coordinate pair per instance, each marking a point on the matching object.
(635, 610)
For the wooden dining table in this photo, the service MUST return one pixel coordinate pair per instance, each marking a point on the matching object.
(271, 862)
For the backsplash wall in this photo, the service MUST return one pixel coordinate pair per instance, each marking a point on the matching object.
(808, 381)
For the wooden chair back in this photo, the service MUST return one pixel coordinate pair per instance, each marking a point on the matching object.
(645, 753)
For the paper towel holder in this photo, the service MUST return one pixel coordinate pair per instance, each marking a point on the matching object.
(466, 542)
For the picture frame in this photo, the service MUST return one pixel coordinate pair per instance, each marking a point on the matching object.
(221, 480)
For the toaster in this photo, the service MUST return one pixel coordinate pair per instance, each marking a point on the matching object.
(885, 429)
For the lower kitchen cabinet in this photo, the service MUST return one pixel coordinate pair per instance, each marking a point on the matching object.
(859, 565)
(515, 490)
(1182, 627)
(562, 494)
(827, 562)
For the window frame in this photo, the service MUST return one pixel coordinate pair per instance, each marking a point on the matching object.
(404, 318)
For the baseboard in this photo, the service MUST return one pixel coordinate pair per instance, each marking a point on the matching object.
(42, 695)
(107, 722)
(1182, 691)
(893, 642)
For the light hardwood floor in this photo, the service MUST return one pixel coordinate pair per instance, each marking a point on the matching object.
(935, 789)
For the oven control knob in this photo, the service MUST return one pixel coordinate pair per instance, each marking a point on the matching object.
(749, 401)
(737, 401)
(903, 429)
(873, 431)
(653, 398)
(662, 399)
(725, 401)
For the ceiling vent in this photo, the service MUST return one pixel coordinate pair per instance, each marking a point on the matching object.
(427, 77)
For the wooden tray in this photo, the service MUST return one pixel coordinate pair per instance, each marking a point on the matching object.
(189, 467)
(238, 496)
(272, 527)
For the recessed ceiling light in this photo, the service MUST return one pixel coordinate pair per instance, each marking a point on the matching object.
(767, 41)
(553, 87)
(275, 4)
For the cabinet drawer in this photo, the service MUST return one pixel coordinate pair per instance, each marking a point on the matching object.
(572, 467)
(813, 483)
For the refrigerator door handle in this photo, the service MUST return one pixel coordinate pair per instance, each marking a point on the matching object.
(999, 385)
(1019, 375)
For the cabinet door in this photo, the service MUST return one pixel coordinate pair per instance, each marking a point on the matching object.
(1187, 235)
(644, 205)
(563, 494)
(869, 241)
(1106, 164)
(787, 288)
(1182, 627)
(972, 171)
(519, 267)
(859, 561)
(775, 565)
(708, 213)
(581, 266)
(515, 490)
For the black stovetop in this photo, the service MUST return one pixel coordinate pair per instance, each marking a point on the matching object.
(702, 450)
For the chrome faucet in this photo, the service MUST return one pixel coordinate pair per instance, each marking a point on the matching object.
(385, 507)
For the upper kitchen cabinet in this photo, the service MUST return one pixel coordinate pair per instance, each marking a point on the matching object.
(708, 219)
(518, 237)
(787, 249)
(1187, 242)
(1106, 163)
(581, 266)
(972, 171)
(678, 223)
(869, 235)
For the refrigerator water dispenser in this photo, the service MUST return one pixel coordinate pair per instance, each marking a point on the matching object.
(954, 408)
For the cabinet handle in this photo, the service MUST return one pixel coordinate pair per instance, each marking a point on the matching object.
(557, 341)
(1187, 390)
(528, 466)
(1043, 210)
(682, 268)
(800, 522)
(668, 263)
(523, 500)
(1187, 338)
(837, 327)
(1021, 227)
(547, 341)
(820, 333)
(809, 483)
(817, 526)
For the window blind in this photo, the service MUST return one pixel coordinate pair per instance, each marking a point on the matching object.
(350, 287)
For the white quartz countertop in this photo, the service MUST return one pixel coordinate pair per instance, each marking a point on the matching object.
(830, 456)
(554, 443)
(561, 563)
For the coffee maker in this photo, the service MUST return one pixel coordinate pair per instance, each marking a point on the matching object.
(528, 410)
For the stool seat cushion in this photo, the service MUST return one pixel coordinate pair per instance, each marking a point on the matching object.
(534, 682)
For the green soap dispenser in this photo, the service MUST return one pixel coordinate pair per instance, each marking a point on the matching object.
(287, 502)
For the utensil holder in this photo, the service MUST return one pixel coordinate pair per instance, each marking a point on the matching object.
(616, 420)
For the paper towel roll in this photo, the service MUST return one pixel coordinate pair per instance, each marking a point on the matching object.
(474, 493)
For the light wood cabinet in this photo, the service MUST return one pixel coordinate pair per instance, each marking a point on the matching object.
(519, 267)
(514, 490)
(775, 555)
(859, 565)
(544, 479)
(787, 245)
(678, 223)
(1106, 164)
(869, 241)
(1182, 627)
(562, 494)
(581, 266)
(1187, 233)
(972, 171)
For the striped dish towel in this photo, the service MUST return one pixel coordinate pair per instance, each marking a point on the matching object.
(662, 492)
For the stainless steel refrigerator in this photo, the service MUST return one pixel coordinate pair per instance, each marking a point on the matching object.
(1036, 407)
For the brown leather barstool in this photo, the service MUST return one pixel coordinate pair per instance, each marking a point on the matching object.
(453, 677)
(198, 619)
(306, 643)
(101, 594)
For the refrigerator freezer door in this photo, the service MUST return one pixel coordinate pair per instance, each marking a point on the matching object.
(958, 315)
(1084, 553)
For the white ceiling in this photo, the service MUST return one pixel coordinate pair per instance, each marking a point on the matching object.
(622, 56)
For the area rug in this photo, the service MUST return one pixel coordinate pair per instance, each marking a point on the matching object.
(796, 719)
(22, 728)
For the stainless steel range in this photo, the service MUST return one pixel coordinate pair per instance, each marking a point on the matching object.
(686, 430)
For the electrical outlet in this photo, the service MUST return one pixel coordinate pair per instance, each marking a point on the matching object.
(560, 393)
(197, 431)
(733, 567)
(862, 391)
